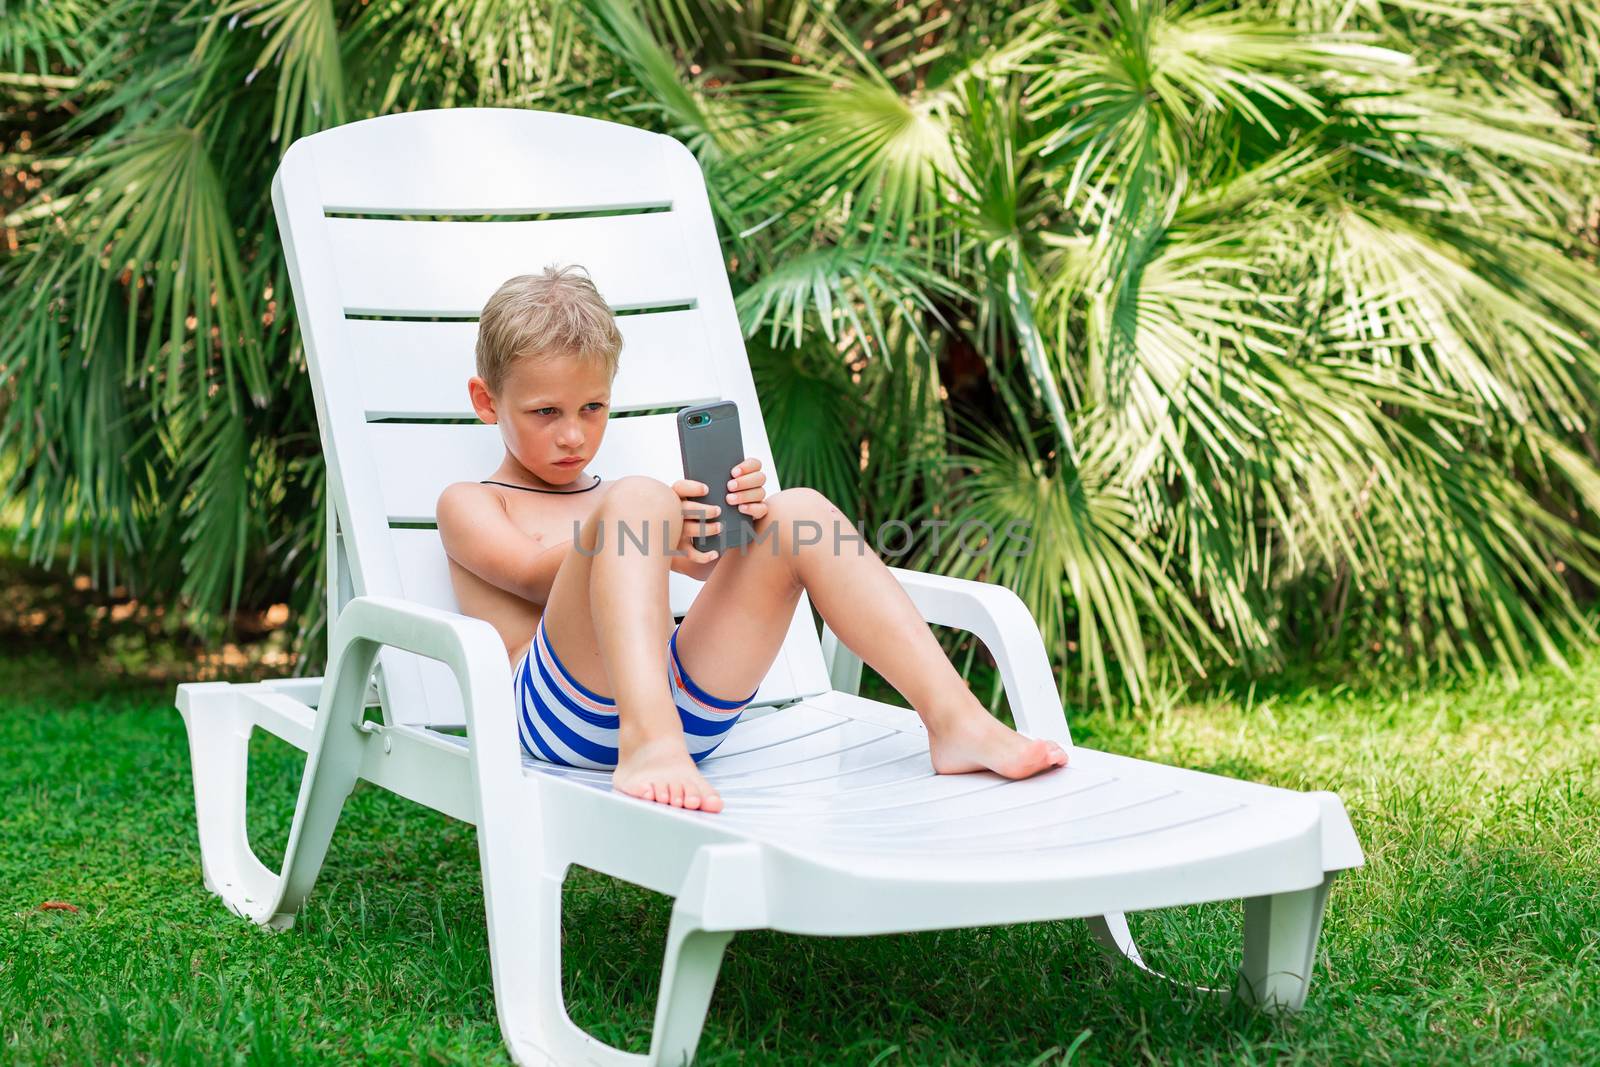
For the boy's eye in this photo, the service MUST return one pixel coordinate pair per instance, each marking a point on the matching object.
(596, 405)
(544, 411)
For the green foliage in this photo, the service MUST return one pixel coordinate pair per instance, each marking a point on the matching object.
(1277, 321)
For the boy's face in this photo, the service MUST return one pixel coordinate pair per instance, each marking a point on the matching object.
(551, 412)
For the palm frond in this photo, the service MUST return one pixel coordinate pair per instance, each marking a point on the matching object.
(1069, 542)
(302, 41)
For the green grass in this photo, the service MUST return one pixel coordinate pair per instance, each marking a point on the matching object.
(1470, 936)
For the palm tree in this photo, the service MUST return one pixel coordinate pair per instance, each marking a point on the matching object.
(1272, 324)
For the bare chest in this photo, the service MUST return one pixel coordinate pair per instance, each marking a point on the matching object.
(551, 518)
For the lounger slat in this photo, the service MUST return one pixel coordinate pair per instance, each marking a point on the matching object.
(397, 267)
(414, 163)
(780, 727)
(771, 764)
(873, 770)
(420, 369)
(937, 801)
(416, 461)
(1067, 797)
(1156, 815)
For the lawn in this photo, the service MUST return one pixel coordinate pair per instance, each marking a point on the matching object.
(1470, 936)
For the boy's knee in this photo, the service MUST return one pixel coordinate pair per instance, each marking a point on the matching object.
(801, 516)
(641, 511)
(802, 502)
(639, 496)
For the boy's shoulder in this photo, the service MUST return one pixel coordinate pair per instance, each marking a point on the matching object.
(466, 499)
(465, 491)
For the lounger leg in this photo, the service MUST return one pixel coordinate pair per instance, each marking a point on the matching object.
(219, 751)
(525, 955)
(1112, 934)
(1280, 946)
(688, 976)
(525, 952)
(219, 748)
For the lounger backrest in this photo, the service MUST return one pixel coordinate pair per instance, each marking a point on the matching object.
(390, 261)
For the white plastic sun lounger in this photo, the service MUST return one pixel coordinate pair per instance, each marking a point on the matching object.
(835, 822)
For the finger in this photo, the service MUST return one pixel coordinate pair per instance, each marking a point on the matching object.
(686, 489)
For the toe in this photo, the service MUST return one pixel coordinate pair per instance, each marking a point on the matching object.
(692, 800)
(677, 794)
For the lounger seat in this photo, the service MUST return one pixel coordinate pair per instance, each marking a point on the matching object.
(857, 831)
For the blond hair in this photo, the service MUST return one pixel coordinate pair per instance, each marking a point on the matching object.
(555, 312)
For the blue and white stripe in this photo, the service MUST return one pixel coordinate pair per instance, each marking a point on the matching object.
(562, 722)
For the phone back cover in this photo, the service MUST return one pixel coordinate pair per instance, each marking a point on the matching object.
(710, 453)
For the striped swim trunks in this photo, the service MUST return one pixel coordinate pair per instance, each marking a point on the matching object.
(562, 722)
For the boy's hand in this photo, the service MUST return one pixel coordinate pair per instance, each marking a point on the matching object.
(744, 488)
(699, 520)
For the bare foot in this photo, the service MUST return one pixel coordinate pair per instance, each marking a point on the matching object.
(976, 741)
(661, 770)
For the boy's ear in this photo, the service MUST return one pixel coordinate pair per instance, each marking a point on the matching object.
(482, 400)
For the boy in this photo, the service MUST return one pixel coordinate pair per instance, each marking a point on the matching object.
(581, 623)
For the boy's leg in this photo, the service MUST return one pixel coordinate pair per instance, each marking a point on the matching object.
(584, 644)
(736, 626)
(749, 599)
(607, 619)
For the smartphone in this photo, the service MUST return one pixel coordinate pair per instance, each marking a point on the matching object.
(709, 439)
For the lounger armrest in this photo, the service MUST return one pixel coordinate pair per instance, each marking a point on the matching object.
(997, 617)
(471, 648)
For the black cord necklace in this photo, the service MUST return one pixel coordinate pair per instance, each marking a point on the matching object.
(530, 489)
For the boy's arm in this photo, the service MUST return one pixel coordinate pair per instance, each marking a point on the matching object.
(544, 568)
(477, 534)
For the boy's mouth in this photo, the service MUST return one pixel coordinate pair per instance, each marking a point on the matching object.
(571, 461)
